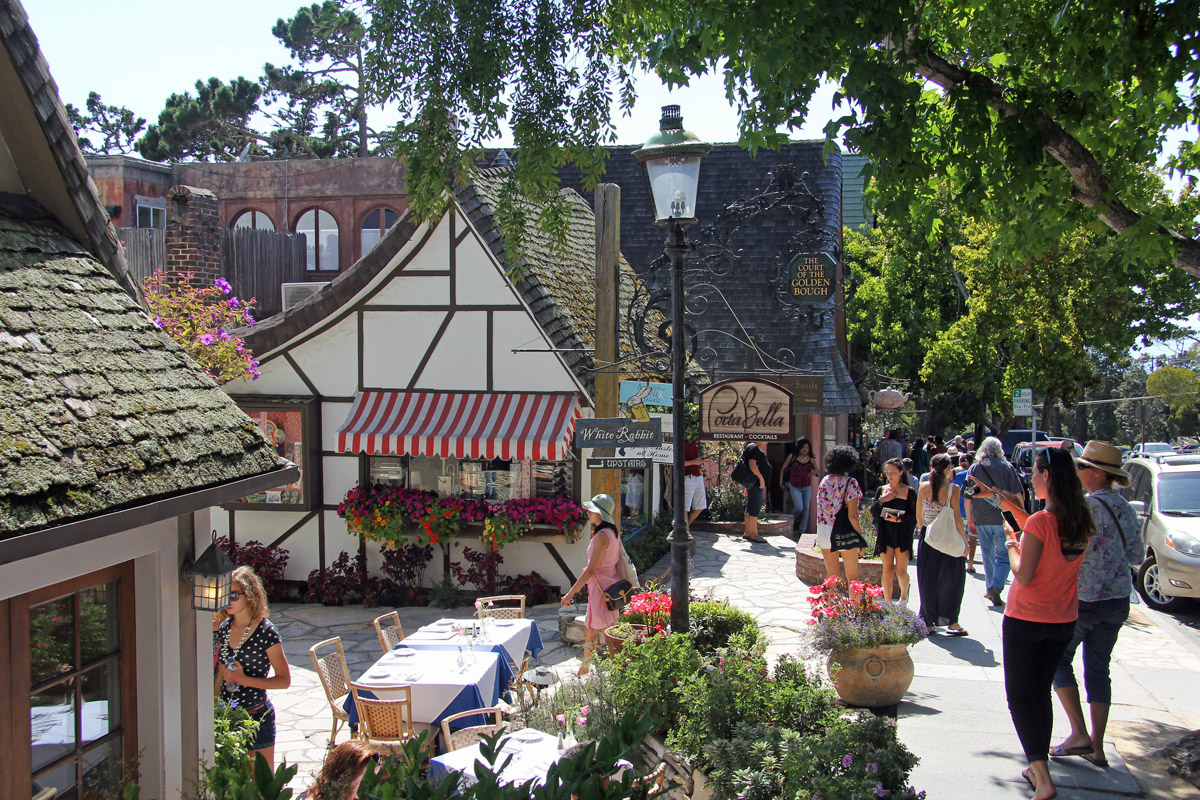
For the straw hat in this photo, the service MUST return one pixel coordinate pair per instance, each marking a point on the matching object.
(952, 451)
(603, 505)
(1106, 458)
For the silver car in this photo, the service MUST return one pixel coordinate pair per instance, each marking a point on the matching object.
(1165, 492)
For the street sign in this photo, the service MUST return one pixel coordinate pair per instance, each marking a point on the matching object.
(618, 463)
(663, 454)
(616, 432)
(1022, 402)
(812, 277)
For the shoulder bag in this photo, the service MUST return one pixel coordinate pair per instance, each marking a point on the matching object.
(617, 595)
(844, 536)
(943, 535)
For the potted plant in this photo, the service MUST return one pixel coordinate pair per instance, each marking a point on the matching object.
(866, 640)
(648, 612)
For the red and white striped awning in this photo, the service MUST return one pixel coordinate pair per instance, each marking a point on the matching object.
(461, 425)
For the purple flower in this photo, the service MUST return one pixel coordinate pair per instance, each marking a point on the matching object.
(847, 760)
(880, 791)
(224, 337)
(158, 322)
(223, 285)
(232, 302)
(872, 768)
(206, 339)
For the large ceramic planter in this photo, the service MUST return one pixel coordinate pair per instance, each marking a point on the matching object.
(615, 644)
(871, 677)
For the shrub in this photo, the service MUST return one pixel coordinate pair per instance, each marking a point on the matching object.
(726, 503)
(651, 544)
(406, 564)
(483, 572)
(645, 674)
(267, 562)
(537, 590)
(198, 320)
(344, 582)
(715, 622)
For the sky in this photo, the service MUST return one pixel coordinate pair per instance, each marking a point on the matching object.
(140, 56)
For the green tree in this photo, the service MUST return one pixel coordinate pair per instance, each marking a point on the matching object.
(116, 126)
(1176, 385)
(215, 124)
(1041, 115)
(329, 91)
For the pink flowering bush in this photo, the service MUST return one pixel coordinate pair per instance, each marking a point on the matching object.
(843, 620)
(199, 319)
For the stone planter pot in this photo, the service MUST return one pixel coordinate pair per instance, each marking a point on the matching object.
(871, 677)
(615, 644)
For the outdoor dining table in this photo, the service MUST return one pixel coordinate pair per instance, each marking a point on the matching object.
(440, 686)
(532, 754)
(510, 636)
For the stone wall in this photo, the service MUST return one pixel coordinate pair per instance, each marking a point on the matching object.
(810, 567)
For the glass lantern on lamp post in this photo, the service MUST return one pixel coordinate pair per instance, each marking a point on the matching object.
(671, 162)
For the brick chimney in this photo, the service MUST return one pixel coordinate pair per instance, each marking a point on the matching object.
(193, 235)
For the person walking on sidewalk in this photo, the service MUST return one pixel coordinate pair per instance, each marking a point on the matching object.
(755, 456)
(895, 514)
(984, 519)
(1104, 588)
(941, 577)
(695, 495)
(799, 469)
(1039, 619)
(838, 492)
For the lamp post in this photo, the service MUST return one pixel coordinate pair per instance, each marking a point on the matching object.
(671, 163)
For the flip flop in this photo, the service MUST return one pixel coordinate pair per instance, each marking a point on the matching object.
(1058, 751)
(1027, 774)
(1089, 756)
(953, 632)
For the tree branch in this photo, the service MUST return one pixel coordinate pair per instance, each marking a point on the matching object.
(1091, 186)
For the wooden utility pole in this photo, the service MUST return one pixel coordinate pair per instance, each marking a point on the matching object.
(608, 374)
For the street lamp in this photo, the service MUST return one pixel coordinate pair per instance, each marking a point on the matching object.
(671, 163)
(211, 578)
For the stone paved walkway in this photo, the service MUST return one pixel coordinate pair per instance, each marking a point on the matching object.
(954, 717)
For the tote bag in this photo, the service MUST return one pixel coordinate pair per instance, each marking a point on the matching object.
(942, 535)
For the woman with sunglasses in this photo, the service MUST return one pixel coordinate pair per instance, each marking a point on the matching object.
(1043, 603)
(250, 658)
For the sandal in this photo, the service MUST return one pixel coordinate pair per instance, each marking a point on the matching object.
(1089, 756)
(1058, 751)
(956, 631)
(1027, 774)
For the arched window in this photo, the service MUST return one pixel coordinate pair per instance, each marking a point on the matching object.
(321, 232)
(256, 220)
(375, 225)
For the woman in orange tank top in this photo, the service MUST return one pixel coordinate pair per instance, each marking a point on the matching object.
(1043, 602)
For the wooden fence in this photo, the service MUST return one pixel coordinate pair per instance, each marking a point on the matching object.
(254, 262)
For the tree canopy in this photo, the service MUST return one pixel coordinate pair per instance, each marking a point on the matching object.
(1045, 116)
(115, 126)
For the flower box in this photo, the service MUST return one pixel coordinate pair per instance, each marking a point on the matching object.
(540, 533)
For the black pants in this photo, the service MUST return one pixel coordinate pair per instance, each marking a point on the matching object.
(1032, 651)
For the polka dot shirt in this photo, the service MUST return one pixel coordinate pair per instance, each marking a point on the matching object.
(252, 660)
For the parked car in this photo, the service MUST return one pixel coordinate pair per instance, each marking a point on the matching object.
(1022, 459)
(1010, 440)
(1151, 449)
(1165, 492)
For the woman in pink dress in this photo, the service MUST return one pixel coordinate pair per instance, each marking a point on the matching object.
(603, 569)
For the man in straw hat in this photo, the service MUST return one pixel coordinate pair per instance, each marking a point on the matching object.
(1104, 590)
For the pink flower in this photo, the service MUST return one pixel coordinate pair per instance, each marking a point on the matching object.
(562, 718)
(580, 721)
(585, 709)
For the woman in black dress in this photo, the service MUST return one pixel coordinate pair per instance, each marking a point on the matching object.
(250, 658)
(895, 515)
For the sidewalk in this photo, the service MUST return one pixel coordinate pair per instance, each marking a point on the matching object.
(955, 717)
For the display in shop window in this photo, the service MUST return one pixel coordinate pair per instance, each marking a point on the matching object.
(284, 426)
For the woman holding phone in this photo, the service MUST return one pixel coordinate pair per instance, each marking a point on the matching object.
(895, 515)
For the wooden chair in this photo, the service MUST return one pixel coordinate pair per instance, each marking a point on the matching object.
(329, 661)
(465, 737)
(506, 611)
(392, 634)
(385, 726)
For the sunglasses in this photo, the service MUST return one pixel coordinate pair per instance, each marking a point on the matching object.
(234, 595)
(1079, 465)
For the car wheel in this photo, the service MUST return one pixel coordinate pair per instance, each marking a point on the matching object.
(1150, 590)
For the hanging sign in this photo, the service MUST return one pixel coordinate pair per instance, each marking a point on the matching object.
(812, 277)
(663, 454)
(639, 398)
(808, 391)
(615, 432)
(746, 411)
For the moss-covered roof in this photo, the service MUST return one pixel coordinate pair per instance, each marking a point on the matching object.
(99, 409)
(559, 282)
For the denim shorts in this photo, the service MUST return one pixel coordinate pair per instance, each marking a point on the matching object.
(265, 736)
(754, 501)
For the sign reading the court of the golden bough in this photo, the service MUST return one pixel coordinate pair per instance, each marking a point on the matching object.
(746, 410)
(812, 277)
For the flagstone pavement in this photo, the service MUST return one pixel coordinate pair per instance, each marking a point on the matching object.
(954, 717)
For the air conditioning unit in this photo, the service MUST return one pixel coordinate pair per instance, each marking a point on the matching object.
(295, 293)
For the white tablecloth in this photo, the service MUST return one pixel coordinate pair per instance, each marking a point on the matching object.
(530, 759)
(511, 634)
(437, 681)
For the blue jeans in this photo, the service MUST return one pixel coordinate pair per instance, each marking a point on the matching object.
(994, 555)
(1096, 629)
(801, 499)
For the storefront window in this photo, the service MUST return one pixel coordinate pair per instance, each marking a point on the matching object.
(287, 427)
(390, 471)
(493, 479)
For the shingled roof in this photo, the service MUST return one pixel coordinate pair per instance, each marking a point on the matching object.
(752, 240)
(99, 409)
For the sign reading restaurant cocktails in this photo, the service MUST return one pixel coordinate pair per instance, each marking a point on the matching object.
(746, 410)
(812, 277)
(617, 432)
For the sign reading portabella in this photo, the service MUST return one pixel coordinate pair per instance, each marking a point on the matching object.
(618, 463)
(746, 410)
(616, 432)
(811, 277)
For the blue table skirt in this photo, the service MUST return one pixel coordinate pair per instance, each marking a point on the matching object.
(469, 698)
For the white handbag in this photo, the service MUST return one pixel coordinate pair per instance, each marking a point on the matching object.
(627, 568)
(943, 534)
